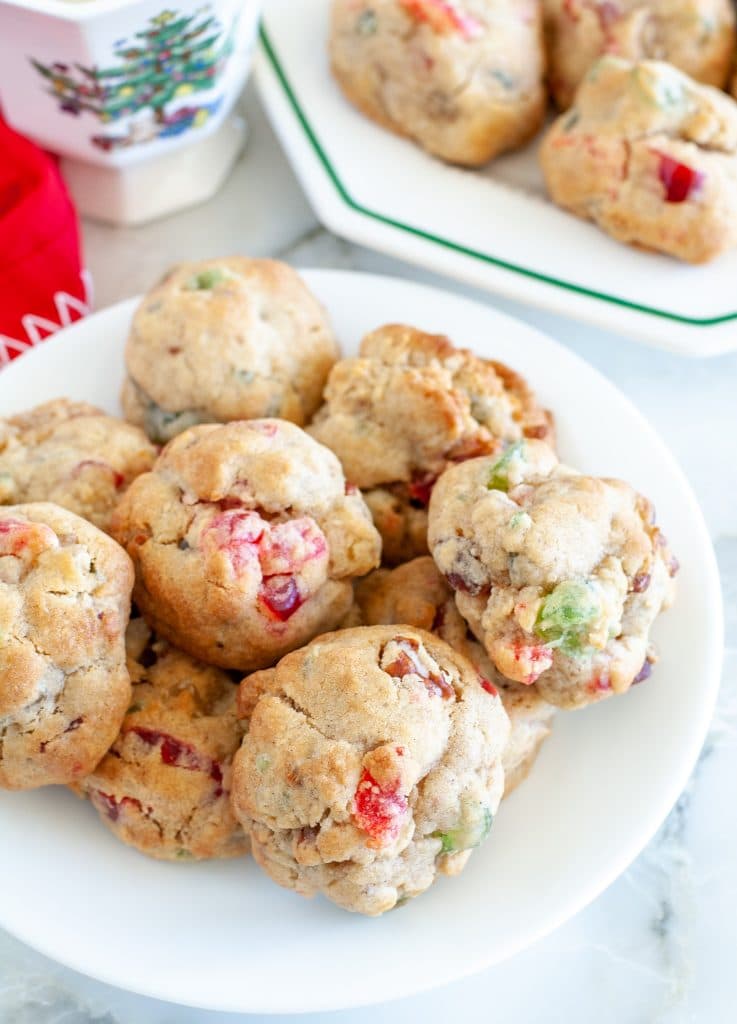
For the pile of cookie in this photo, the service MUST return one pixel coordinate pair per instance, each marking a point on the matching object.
(351, 717)
(646, 144)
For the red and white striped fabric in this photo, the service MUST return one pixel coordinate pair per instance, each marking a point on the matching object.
(43, 286)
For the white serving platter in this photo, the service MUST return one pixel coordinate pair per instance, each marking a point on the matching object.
(493, 229)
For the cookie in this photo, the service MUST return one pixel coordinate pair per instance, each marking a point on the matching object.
(371, 763)
(417, 594)
(245, 537)
(72, 454)
(560, 575)
(164, 786)
(463, 79)
(64, 605)
(651, 157)
(406, 407)
(697, 36)
(222, 340)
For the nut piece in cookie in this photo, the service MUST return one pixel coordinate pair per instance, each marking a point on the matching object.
(406, 407)
(64, 605)
(72, 454)
(372, 762)
(560, 576)
(164, 786)
(417, 594)
(245, 537)
(463, 78)
(227, 339)
(651, 157)
(697, 36)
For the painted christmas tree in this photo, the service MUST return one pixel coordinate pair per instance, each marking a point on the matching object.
(176, 55)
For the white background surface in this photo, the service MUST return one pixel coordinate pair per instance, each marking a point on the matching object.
(661, 944)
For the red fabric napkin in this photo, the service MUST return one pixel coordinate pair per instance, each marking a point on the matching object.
(43, 286)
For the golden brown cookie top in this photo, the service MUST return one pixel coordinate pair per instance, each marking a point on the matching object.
(226, 339)
(64, 604)
(411, 403)
(72, 454)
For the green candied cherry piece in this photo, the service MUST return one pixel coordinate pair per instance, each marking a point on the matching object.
(499, 476)
(162, 425)
(471, 830)
(183, 854)
(206, 280)
(263, 762)
(367, 23)
(567, 614)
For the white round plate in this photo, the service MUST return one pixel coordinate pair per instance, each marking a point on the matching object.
(221, 935)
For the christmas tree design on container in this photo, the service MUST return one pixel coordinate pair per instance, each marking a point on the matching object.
(157, 90)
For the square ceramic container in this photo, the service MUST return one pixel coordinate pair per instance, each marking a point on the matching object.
(114, 82)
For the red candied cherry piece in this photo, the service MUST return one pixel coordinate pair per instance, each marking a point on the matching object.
(444, 17)
(237, 533)
(118, 478)
(380, 812)
(489, 687)
(16, 536)
(678, 179)
(111, 806)
(599, 684)
(420, 489)
(285, 548)
(457, 581)
(407, 663)
(179, 754)
(608, 14)
(539, 657)
(281, 597)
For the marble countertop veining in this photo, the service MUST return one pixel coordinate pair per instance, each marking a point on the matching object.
(660, 945)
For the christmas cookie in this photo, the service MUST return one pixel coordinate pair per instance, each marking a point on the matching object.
(245, 537)
(417, 594)
(228, 339)
(561, 576)
(164, 787)
(463, 79)
(697, 36)
(372, 762)
(64, 604)
(651, 157)
(72, 454)
(409, 405)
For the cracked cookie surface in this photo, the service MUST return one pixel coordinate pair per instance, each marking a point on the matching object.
(372, 762)
(697, 36)
(560, 575)
(72, 454)
(164, 786)
(417, 594)
(245, 537)
(650, 156)
(226, 339)
(406, 407)
(463, 79)
(64, 606)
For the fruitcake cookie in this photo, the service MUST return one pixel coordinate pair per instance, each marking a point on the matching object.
(65, 592)
(72, 454)
(227, 339)
(464, 79)
(406, 407)
(649, 156)
(372, 762)
(561, 576)
(245, 537)
(164, 787)
(417, 594)
(697, 36)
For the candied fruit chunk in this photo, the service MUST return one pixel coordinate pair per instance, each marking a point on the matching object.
(380, 812)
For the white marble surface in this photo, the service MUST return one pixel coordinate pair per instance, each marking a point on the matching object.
(661, 944)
